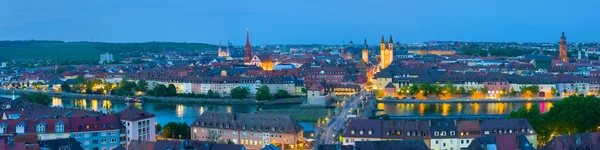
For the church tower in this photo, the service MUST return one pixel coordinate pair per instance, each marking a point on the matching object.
(382, 53)
(563, 49)
(365, 53)
(248, 55)
(387, 52)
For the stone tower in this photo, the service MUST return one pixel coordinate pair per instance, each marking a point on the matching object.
(564, 57)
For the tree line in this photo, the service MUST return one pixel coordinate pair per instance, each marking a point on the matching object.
(574, 114)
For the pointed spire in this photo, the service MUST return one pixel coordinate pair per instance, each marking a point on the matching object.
(382, 39)
(563, 36)
(391, 41)
(366, 47)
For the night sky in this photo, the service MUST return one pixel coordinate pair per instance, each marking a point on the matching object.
(300, 21)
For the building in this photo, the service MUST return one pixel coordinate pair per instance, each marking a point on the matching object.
(221, 52)
(563, 55)
(105, 58)
(248, 48)
(468, 130)
(365, 53)
(576, 141)
(444, 134)
(316, 95)
(182, 145)
(139, 125)
(97, 132)
(509, 127)
(386, 52)
(437, 134)
(391, 145)
(254, 131)
(518, 142)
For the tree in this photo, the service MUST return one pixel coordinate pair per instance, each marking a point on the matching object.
(405, 89)
(282, 94)
(79, 83)
(503, 92)
(263, 93)
(462, 90)
(214, 136)
(142, 85)
(449, 87)
(414, 89)
(240, 92)
(158, 91)
(157, 128)
(212, 94)
(512, 92)
(175, 129)
(304, 90)
(171, 90)
(65, 87)
(37, 98)
(483, 90)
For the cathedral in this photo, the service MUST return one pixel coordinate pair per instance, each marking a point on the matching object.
(223, 53)
(386, 52)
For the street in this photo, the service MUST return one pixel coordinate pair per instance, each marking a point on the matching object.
(333, 127)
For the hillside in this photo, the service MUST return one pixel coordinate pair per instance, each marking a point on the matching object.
(21, 50)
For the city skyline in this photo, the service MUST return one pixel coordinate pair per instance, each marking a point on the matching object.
(308, 23)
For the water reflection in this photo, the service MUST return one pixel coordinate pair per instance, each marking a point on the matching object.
(165, 112)
(451, 109)
(56, 102)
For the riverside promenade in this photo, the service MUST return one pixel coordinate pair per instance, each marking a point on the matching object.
(508, 99)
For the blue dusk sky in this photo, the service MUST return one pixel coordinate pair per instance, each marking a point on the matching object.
(300, 21)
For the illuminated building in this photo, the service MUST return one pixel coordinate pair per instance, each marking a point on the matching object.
(434, 52)
(222, 53)
(267, 64)
(254, 131)
(386, 52)
(563, 49)
(365, 53)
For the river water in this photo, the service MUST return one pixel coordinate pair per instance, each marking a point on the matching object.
(166, 112)
(455, 109)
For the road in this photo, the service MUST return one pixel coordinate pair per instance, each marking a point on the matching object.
(333, 127)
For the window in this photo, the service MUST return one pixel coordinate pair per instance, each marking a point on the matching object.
(436, 133)
(95, 134)
(462, 142)
(244, 135)
(452, 133)
(361, 132)
(113, 140)
(20, 128)
(437, 142)
(103, 141)
(40, 128)
(370, 132)
(112, 133)
(352, 132)
(59, 127)
(3, 128)
(95, 142)
(486, 132)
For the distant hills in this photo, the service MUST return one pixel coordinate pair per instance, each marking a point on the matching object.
(22, 50)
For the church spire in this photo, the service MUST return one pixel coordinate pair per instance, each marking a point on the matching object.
(366, 47)
(248, 55)
(391, 41)
(382, 39)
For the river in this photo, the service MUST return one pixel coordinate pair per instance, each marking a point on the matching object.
(455, 109)
(166, 112)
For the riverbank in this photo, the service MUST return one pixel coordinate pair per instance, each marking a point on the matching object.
(174, 100)
(516, 99)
